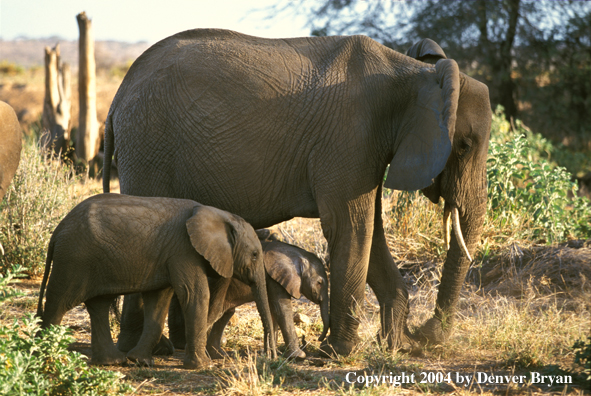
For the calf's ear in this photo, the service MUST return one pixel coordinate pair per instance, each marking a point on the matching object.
(213, 236)
(283, 270)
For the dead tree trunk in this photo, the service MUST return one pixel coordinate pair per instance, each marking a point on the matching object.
(57, 106)
(87, 138)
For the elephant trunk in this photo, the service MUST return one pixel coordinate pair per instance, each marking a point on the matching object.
(324, 304)
(467, 223)
(468, 220)
(259, 291)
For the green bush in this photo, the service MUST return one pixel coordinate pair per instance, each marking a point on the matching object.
(6, 292)
(582, 351)
(10, 68)
(41, 194)
(525, 187)
(37, 362)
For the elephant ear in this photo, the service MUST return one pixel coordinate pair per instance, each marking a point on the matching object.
(285, 270)
(263, 233)
(427, 51)
(213, 236)
(427, 131)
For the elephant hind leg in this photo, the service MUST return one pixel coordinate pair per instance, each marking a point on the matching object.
(176, 324)
(132, 322)
(57, 303)
(103, 349)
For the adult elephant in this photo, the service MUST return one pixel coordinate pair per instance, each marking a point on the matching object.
(10, 146)
(271, 129)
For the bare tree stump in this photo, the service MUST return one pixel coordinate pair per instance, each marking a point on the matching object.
(57, 106)
(87, 137)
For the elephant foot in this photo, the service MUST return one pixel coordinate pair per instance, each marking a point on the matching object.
(194, 362)
(164, 347)
(296, 354)
(140, 357)
(404, 343)
(332, 347)
(110, 359)
(431, 333)
(216, 353)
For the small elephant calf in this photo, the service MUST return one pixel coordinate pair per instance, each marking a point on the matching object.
(112, 244)
(291, 272)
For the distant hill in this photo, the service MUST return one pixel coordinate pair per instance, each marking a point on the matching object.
(31, 52)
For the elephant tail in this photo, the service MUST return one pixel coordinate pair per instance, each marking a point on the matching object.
(109, 149)
(45, 277)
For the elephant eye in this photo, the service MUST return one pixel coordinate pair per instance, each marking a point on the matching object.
(255, 255)
(464, 147)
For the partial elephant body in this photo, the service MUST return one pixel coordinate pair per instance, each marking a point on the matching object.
(291, 82)
(10, 146)
(273, 129)
(113, 244)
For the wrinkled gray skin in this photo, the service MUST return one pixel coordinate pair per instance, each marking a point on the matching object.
(306, 127)
(291, 272)
(10, 146)
(113, 244)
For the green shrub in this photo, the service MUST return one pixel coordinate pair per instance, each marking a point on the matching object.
(6, 292)
(582, 351)
(41, 194)
(37, 362)
(528, 190)
(10, 68)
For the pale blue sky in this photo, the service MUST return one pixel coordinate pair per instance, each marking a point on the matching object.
(141, 20)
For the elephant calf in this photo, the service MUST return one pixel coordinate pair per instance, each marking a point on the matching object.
(112, 244)
(291, 272)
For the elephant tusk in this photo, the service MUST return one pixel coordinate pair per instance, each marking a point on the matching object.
(455, 216)
(446, 228)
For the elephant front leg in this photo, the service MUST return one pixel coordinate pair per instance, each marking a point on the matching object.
(176, 320)
(387, 283)
(217, 299)
(348, 229)
(281, 309)
(194, 300)
(214, 340)
(155, 309)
